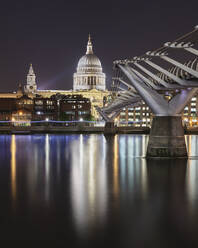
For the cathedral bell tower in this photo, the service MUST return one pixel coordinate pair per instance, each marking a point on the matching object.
(30, 86)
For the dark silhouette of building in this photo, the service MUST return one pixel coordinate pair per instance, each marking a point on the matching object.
(24, 109)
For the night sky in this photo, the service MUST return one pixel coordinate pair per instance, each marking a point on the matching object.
(53, 35)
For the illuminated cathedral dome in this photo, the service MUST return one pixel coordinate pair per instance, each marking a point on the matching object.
(89, 62)
(89, 73)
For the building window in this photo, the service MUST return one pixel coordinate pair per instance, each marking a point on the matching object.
(83, 112)
(39, 102)
(49, 102)
(50, 107)
(38, 107)
(70, 113)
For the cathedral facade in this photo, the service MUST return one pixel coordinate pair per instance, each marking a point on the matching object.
(89, 73)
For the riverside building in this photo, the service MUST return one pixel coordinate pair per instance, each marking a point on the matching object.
(141, 116)
(23, 110)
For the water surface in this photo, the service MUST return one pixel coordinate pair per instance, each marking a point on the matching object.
(92, 191)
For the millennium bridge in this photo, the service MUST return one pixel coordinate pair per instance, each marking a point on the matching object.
(165, 79)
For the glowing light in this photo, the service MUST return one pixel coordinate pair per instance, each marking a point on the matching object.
(47, 166)
(88, 183)
(115, 166)
(81, 119)
(13, 169)
(47, 119)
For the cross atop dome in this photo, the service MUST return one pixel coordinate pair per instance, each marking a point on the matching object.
(89, 46)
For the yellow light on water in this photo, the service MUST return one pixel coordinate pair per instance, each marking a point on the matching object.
(13, 169)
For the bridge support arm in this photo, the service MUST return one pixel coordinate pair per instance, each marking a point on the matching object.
(192, 50)
(180, 65)
(170, 75)
(153, 99)
(159, 80)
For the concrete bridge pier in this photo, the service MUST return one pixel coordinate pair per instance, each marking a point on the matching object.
(109, 128)
(167, 138)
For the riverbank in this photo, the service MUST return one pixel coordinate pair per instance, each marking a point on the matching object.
(80, 129)
(70, 129)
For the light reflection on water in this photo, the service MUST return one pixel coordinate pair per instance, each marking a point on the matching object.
(92, 182)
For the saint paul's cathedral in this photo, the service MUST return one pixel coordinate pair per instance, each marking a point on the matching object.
(89, 81)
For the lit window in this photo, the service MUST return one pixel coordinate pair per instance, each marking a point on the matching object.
(39, 102)
(49, 102)
(70, 113)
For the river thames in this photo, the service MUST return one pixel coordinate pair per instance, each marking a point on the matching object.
(96, 191)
